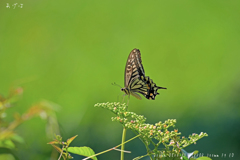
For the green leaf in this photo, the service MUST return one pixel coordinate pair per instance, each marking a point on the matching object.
(7, 143)
(57, 148)
(54, 142)
(184, 158)
(71, 139)
(7, 157)
(59, 138)
(64, 154)
(203, 158)
(17, 138)
(83, 151)
(195, 152)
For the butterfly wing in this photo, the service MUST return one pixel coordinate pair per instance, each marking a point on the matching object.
(134, 68)
(147, 88)
(135, 80)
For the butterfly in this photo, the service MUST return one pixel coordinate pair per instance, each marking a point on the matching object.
(135, 80)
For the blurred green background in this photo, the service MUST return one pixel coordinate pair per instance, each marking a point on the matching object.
(69, 52)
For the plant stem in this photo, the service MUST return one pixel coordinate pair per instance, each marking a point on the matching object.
(61, 153)
(111, 148)
(123, 140)
(67, 151)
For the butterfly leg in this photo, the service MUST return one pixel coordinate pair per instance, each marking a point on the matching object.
(118, 97)
(128, 99)
(123, 98)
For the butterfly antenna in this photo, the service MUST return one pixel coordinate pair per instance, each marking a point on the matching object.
(116, 85)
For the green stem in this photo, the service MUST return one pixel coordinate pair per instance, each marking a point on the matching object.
(67, 152)
(61, 153)
(123, 140)
(191, 143)
(111, 148)
(146, 145)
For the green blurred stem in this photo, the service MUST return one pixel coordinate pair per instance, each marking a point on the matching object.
(123, 140)
(67, 151)
(61, 153)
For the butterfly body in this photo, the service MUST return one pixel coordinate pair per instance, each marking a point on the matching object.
(135, 79)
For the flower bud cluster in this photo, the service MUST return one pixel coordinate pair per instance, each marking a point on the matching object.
(192, 139)
(158, 131)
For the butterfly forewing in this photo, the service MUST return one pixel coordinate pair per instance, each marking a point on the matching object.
(134, 68)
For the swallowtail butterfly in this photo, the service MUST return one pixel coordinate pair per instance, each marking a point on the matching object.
(135, 80)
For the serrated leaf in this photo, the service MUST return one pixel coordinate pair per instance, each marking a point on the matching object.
(71, 139)
(83, 151)
(203, 158)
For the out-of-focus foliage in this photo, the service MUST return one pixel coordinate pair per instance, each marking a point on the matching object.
(66, 149)
(8, 133)
(70, 52)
